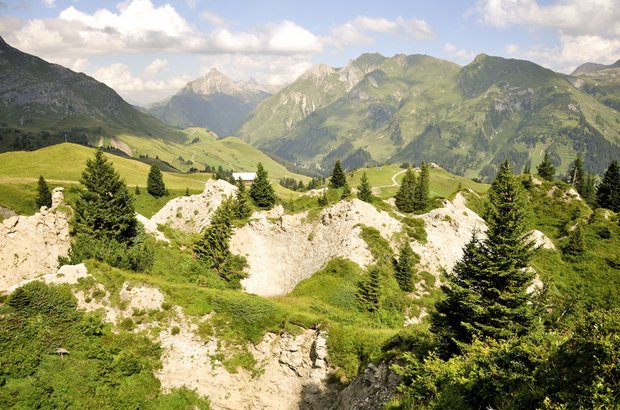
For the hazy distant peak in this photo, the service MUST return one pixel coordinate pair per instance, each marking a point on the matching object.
(318, 71)
(591, 67)
(214, 82)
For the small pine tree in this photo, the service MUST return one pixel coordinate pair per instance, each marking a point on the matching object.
(44, 196)
(155, 182)
(526, 169)
(137, 190)
(369, 291)
(364, 190)
(608, 191)
(576, 175)
(261, 191)
(588, 191)
(403, 268)
(105, 209)
(405, 197)
(421, 195)
(338, 179)
(545, 169)
(576, 244)
(186, 191)
(242, 207)
(346, 191)
(322, 199)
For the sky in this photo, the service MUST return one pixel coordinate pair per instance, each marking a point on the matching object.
(149, 49)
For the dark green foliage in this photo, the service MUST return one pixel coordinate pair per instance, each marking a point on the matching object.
(322, 199)
(364, 190)
(421, 195)
(404, 268)
(261, 191)
(576, 245)
(137, 256)
(105, 209)
(346, 191)
(242, 207)
(486, 293)
(369, 290)
(588, 191)
(212, 249)
(405, 197)
(155, 182)
(608, 191)
(545, 169)
(44, 196)
(337, 179)
(137, 190)
(576, 174)
(102, 371)
(187, 192)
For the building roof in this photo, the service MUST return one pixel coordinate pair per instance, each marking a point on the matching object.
(245, 176)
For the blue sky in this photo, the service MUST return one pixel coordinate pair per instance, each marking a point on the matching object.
(148, 49)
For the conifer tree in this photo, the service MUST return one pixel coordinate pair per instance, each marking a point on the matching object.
(242, 208)
(186, 191)
(608, 191)
(545, 169)
(346, 191)
(421, 195)
(403, 268)
(576, 244)
(576, 174)
(137, 190)
(212, 249)
(405, 197)
(105, 209)
(155, 182)
(322, 199)
(338, 179)
(588, 192)
(44, 196)
(261, 191)
(486, 293)
(364, 190)
(369, 290)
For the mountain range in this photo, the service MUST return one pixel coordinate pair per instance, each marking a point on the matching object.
(376, 109)
(213, 101)
(43, 101)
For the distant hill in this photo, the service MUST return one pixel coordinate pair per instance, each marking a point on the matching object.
(213, 101)
(44, 103)
(419, 108)
(601, 81)
(587, 68)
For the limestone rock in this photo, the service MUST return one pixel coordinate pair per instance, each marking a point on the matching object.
(192, 213)
(30, 245)
(370, 390)
(281, 254)
(541, 240)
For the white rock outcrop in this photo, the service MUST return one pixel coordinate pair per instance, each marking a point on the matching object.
(541, 240)
(282, 253)
(448, 229)
(192, 213)
(293, 371)
(30, 245)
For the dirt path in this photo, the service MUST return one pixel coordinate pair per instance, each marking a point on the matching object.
(394, 183)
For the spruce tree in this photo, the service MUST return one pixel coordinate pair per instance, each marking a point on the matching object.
(338, 179)
(369, 290)
(421, 194)
(364, 190)
(105, 208)
(44, 196)
(137, 190)
(322, 199)
(261, 191)
(403, 268)
(242, 207)
(545, 169)
(608, 191)
(576, 174)
(155, 182)
(576, 244)
(346, 191)
(405, 197)
(486, 292)
(588, 191)
(186, 191)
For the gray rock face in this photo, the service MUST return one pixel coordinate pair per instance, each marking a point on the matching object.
(370, 390)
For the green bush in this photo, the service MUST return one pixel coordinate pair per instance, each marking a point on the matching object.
(136, 257)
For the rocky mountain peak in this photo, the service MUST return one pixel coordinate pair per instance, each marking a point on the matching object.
(214, 82)
(318, 71)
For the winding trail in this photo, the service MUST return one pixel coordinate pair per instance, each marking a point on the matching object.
(394, 183)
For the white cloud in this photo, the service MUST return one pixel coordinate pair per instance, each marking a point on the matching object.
(265, 69)
(158, 65)
(119, 77)
(460, 53)
(360, 29)
(572, 16)
(571, 52)
(288, 37)
(49, 3)
(212, 18)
